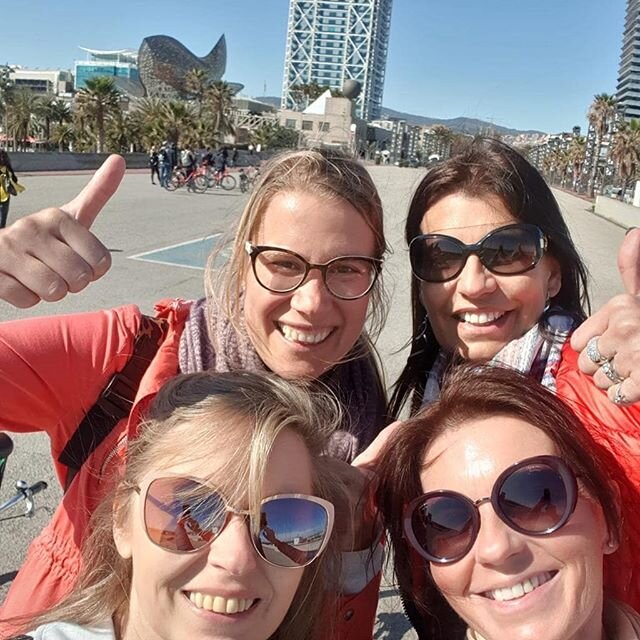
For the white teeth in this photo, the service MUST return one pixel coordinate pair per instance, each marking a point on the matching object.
(518, 590)
(218, 604)
(306, 337)
(479, 318)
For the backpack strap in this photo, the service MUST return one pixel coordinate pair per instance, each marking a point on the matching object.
(115, 401)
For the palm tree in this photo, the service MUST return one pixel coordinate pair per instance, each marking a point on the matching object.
(22, 121)
(97, 101)
(149, 116)
(443, 137)
(600, 115)
(122, 132)
(178, 120)
(63, 136)
(219, 105)
(577, 152)
(45, 110)
(197, 83)
(625, 151)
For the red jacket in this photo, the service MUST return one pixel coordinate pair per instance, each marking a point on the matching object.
(52, 371)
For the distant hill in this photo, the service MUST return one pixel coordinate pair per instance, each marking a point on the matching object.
(471, 126)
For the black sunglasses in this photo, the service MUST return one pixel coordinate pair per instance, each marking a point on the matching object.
(535, 497)
(283, 271)
(508, 250)
(183, 515)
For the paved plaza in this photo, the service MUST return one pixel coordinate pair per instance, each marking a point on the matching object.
(159, 241)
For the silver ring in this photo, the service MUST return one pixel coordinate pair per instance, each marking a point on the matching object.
(618, 396)
(609, 370)
(593, 353)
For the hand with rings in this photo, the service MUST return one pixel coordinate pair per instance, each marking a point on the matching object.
(609, 340)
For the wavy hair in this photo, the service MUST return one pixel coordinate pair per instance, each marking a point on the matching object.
(188, 419)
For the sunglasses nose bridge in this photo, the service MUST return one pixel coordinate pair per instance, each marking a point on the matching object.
(233, 548)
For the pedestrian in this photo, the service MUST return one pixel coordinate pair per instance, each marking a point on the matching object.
(219, 167)
(187, 159)
(153, 164)
(8, 186)
(164, 164)
(250, 147)
(234, 157)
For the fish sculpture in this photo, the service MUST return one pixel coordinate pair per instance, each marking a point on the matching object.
(164, 62)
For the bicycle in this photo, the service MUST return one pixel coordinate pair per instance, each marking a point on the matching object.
(195, 180)
(217, 179)
(248, 178)
(24, 492)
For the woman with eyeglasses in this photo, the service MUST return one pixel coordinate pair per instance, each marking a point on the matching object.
(219, 524)
(293, 299)
(501, 509)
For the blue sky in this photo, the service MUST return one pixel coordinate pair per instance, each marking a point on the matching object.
(527, 64)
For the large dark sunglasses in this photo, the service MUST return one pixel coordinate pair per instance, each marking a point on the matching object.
(508, 251)
(183, 515)
(282, 271)
(535, 497)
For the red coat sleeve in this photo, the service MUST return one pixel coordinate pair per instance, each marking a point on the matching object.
(52, 369)
(618, 429)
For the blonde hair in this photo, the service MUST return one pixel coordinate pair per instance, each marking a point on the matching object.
(328, 174)
(189, 418)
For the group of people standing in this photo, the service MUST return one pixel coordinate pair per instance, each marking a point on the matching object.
(164, 160)
(243, 490)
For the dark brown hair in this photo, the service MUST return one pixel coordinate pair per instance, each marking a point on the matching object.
(487, 168)
(480, 391)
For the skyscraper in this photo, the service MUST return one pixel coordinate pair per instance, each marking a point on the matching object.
(628, 89)
(329, 42)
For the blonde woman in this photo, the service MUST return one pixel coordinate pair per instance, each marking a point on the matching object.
(220, 524)
(294, 301)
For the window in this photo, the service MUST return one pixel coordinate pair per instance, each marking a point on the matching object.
(307, 125)
(323, 126)
(290, 123)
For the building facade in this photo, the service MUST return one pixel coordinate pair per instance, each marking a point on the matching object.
(120, 64)
(330, 42)
(43, 81)
(628, 88)
(327, 122)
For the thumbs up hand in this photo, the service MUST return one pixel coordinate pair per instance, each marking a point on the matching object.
(48, 254)
(609, 340)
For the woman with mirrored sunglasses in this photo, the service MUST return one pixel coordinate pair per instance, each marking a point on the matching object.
(220, 525)
(315, 219)
(501, 510)
(497, 278)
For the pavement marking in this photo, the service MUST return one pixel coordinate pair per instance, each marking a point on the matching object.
(191, 254)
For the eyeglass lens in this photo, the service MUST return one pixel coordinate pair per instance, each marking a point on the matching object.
(281, 271)
(506, 251)
(183, 515)
(533, 500)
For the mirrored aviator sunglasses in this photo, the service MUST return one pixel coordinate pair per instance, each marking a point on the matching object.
(183, 515)
(535, 497)
(508, 250)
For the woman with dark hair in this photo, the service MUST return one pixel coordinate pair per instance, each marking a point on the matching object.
(498, 279)
(8, 186)
(502, 511)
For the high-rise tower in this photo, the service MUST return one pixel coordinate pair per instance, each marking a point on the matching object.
(628, 89)
(329, 42)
